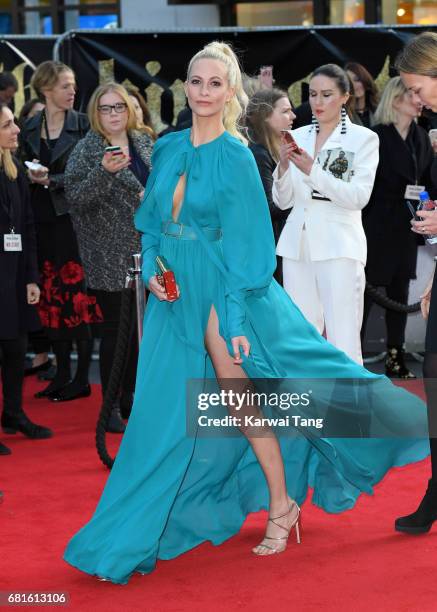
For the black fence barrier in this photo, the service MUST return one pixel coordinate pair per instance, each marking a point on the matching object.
(156, 61)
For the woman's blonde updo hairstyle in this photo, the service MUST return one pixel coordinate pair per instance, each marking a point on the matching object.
(236, 107)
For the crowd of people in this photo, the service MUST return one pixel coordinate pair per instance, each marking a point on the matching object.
(335, 185)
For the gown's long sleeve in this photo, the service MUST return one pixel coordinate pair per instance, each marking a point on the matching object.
(148, 218)
(248, 242)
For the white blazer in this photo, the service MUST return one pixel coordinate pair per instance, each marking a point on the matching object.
(343, 174)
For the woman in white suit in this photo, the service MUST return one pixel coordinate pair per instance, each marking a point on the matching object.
(327, 184)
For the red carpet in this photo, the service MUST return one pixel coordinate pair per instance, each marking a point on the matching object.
(350, 562)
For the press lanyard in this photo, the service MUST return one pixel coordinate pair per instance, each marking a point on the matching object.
(46, 130)
(412, 192)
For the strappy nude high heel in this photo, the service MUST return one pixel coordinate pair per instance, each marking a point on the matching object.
(295, 525)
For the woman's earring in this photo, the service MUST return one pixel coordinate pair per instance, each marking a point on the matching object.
(343, 120)
(315, 123)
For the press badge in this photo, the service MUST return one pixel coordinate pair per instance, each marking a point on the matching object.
(12, 242)
(412, 192)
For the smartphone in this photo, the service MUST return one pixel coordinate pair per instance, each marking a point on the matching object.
(289, 139)
(34, 167)
(115, 150)
(432, 135)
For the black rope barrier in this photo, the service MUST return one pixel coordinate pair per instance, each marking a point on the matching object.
(123, 346)
(389, 304)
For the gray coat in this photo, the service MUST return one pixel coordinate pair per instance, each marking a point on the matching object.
(102, 206)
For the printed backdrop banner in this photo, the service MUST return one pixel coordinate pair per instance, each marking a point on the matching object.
(20, 55)
(156, 62)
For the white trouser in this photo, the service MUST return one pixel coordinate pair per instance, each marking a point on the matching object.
(330, 294)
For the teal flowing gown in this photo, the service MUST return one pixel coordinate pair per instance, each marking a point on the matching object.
(168, 491)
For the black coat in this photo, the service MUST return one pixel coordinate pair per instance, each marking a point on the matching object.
(392, 246)
(17, 269)
(266, 165)
(75, 128)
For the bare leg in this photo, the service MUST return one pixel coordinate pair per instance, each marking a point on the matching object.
(266, 448)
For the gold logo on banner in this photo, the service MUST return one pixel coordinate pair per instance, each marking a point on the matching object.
(20, 97)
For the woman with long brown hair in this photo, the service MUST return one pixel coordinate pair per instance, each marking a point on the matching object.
(268, 113)
(365, 92)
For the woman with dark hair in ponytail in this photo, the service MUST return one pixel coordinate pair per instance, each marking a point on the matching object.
(327, 183)
(65, 309)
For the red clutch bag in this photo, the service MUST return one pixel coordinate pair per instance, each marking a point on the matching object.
(166, 278)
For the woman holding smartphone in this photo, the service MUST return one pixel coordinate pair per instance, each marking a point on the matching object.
(104, 181)
(64, 309)
(268, 114)
(417, 65)
(326, 183)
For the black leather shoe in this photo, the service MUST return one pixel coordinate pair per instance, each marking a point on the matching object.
(4, 450)
(421, 521)
(67, 395)
(115, 423)
(49, 391)
(21, 422)
(40, 368)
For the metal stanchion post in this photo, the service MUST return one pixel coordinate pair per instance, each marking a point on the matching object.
(135, 280)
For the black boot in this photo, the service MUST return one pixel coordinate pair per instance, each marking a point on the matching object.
(421, 521)
(395, 364)
(11, 423)
(115, 423)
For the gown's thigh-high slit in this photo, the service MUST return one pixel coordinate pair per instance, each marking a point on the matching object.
(262, 439)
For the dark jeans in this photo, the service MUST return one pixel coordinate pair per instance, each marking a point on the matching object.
(13, 353)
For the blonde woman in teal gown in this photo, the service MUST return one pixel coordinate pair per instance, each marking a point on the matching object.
(205, 211)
